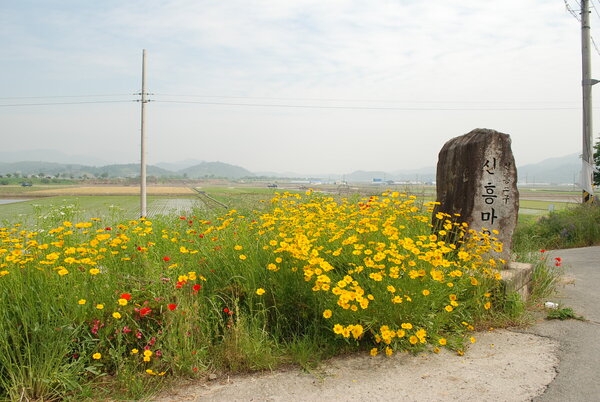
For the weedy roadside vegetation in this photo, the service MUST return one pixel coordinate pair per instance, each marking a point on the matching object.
(107, 307)
(577, 225)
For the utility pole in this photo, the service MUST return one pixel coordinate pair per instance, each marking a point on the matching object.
(587, 166)
(144, 100)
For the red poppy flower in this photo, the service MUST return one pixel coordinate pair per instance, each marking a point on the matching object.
(197, 287)
(144, 311)
(557, 261)
(183, 218)
(227, 311)
(126, 296)
(179, 284)
(171, 306)
(166, 258)
(201, 235)
(108, 228)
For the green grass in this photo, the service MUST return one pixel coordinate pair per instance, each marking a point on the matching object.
(563, 313)
(544, 206)
(85, 207)
(577, 225)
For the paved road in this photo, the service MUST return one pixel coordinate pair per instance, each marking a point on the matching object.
(578, 377)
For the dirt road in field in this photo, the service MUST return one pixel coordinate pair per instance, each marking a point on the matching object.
(52, 191)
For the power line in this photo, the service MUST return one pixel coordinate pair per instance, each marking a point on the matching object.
(283, 102)
(406, 108)
(313, 106)
(595, 8)
(63, 96)
(578, 18)
(338, 99)
(571, 11)
(63, 103)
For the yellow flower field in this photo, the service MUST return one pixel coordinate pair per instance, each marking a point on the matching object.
(178, 295)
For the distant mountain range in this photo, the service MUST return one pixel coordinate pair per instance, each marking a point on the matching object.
(561, 170)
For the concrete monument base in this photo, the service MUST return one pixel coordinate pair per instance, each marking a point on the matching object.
(516, 277)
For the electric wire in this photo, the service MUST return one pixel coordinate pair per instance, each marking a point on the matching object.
(298, 103)
(347, 107)
(64, 103)
(64, 96)
(571, 11)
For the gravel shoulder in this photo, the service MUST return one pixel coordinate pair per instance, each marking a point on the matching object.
(502, 365)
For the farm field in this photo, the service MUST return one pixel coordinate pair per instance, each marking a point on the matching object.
(122, 202)
(116, 203)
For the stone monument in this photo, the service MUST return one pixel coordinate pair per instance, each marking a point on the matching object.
(477, 179)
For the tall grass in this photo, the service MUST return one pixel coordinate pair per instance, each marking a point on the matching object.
(575, 226)
(301, 277)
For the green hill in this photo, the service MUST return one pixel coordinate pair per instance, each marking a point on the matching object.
(130, 170)
(215, 170)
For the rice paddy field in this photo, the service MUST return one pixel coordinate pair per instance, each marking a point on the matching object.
(23, 204)
(123, 202)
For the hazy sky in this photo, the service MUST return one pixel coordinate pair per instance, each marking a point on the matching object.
(283, 85)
